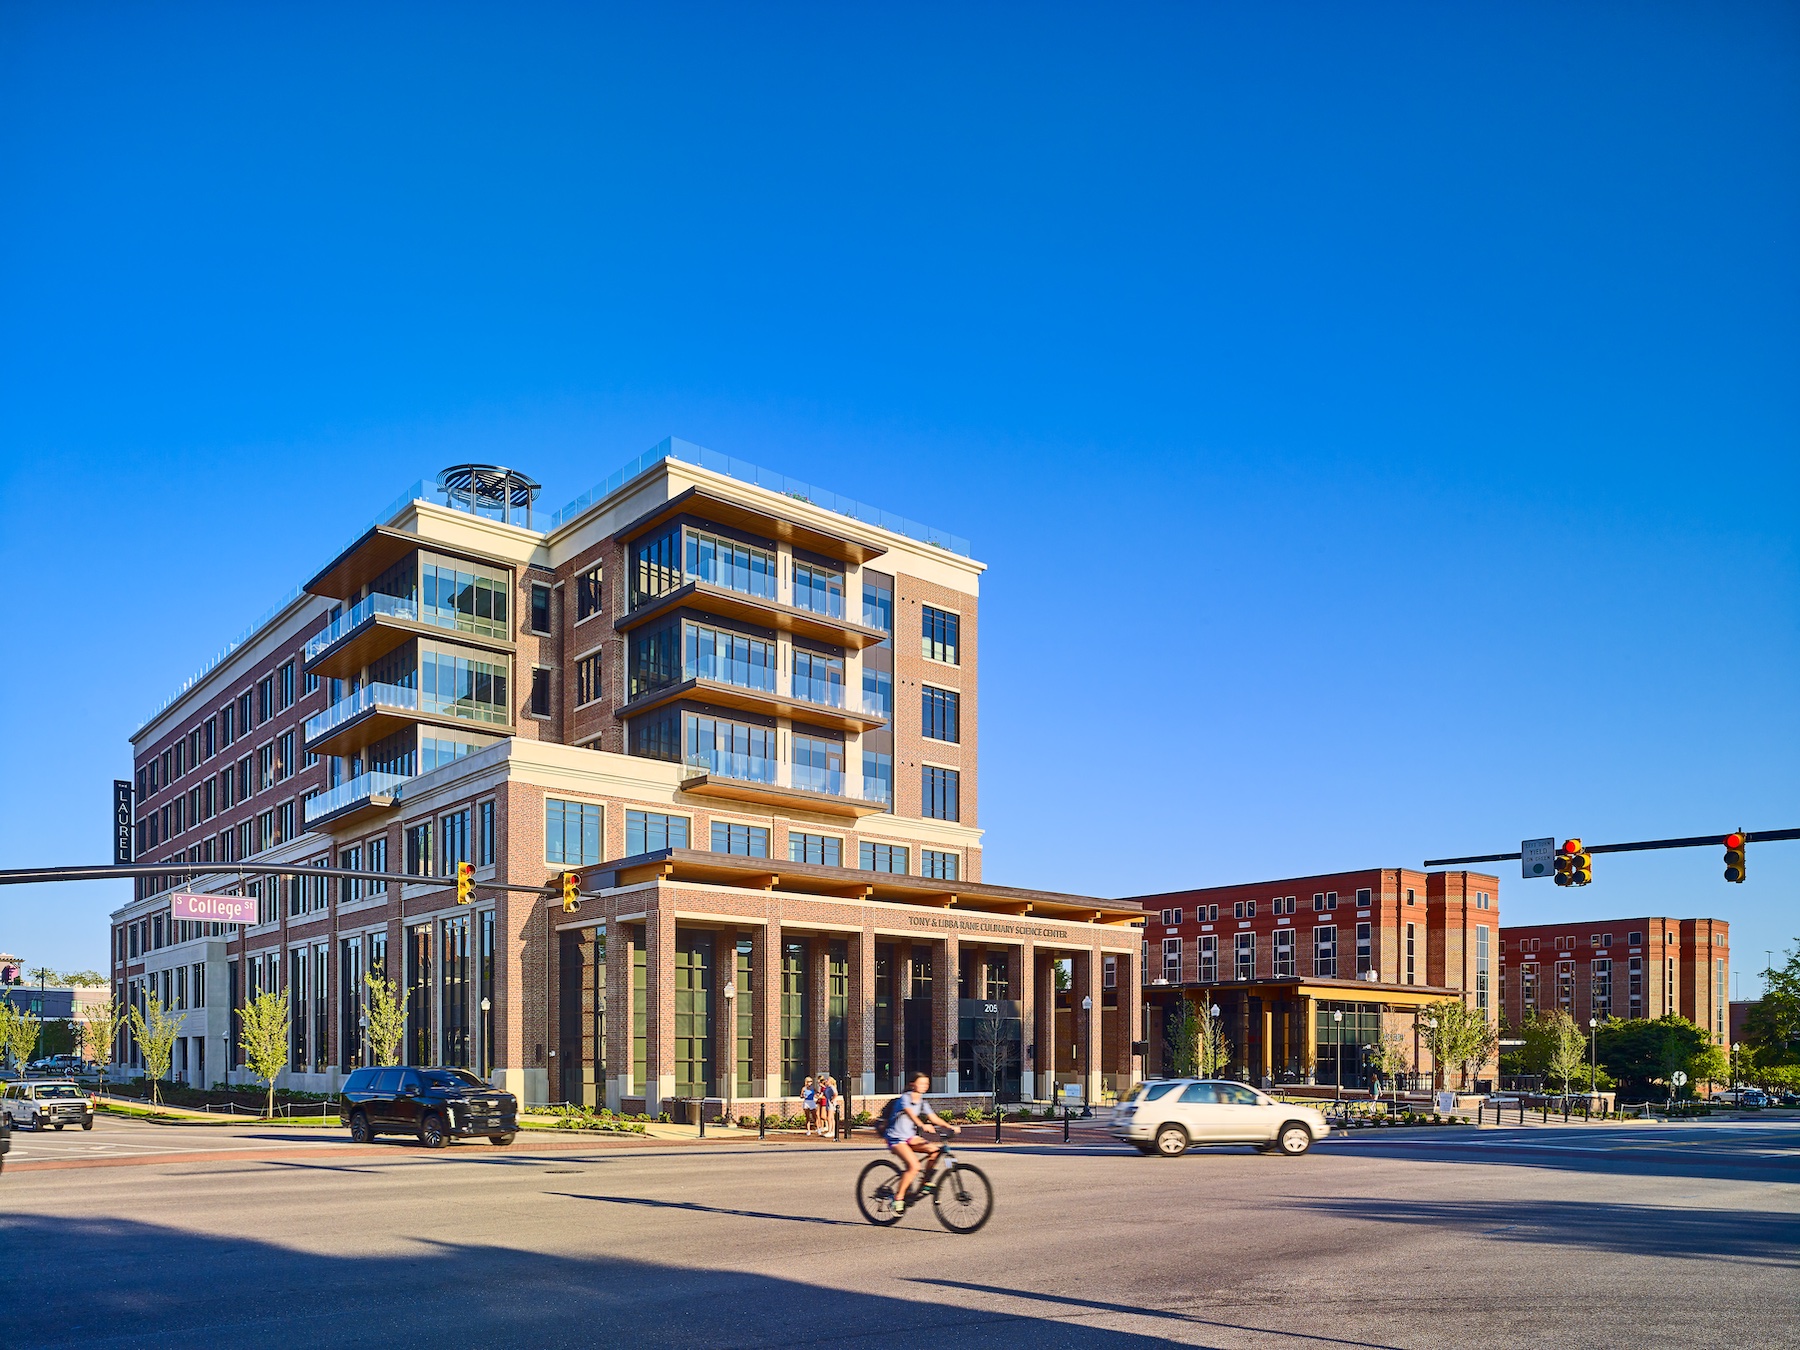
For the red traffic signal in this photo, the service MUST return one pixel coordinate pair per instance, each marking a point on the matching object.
(1736, 857)
(1571, 847)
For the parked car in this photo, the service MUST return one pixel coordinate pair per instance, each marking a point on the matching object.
(1740, 1097)
(1169, 1115)
(437, 1105)
(56, 1102)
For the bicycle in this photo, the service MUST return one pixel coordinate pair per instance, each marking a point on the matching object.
(961, 1195)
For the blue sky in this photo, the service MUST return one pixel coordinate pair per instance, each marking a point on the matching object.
(1380, 424)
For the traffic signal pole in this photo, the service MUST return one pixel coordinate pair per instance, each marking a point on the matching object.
(20, 876)
(1638, 846)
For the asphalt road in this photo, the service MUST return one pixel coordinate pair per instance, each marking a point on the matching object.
(1578, 1236)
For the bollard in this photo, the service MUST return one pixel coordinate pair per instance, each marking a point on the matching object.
(1565, 1109)
(999, 1116)
(762, 1120)
(703, 1120)
(1065, 1123)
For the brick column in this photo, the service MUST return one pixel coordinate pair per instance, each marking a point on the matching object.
(724, 1027)
(818, 1006)
(765, 959)
(1131, 1014)
(1086, 990)
(946, 953)
(1045, 1031)
(659, 996)
(1243, 1045)
(1268, 1041)
(1022, 969)
(862, 1017)
(1309, 1040)
(618, 1015)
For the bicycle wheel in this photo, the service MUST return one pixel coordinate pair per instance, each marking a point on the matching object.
(875, 1191)
(963, 1199)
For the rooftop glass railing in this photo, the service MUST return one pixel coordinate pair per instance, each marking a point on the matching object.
(353, 790)
(745, 472)
(356, 616)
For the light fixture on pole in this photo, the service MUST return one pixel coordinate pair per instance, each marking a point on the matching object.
(1430, 1026)
(730, 992)
(1337, 1037)
(1593, 1054)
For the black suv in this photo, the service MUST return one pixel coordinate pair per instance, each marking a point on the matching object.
(437, 1105)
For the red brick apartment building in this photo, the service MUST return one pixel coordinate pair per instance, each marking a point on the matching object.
(744, 709)
(1306, 971)
(1620, 968)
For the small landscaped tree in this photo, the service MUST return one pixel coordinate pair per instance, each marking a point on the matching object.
(1388, 1056)
(387, 1020)
(1458, 1035)
(100, 1026)
(18, 1034)
(263, 1034)
(156, 1032)
(1555, 1046)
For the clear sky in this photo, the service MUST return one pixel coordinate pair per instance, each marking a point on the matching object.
(1380, 423)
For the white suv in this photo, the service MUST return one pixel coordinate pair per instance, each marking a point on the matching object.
(1168, 1115)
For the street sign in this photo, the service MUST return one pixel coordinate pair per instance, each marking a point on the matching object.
(121, 821)
(1537, 858)
(1678, 1078)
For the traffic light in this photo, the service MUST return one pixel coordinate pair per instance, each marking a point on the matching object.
(1736, 859)
(1565, 862)
(465, 882)
(1574, 866)
(571, 884)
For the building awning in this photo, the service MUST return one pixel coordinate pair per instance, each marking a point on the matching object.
(849, 883)
(1339, 991)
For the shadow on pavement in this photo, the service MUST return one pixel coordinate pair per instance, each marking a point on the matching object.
(125, 1283)
(1746, 1237)
(1661, 1156)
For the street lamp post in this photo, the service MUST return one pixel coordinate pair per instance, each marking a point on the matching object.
(730, 992)
(1337, 1044)
(1088, 1072)
(1430, 1026)
(1593, 1055)
(1211, 1031)
(482, 1032)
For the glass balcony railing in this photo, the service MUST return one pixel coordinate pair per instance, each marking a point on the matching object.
(811, 778)
(764, 679)
(878, 790)
(400, 698)
(725, 670)
(734, 575)
(744, 768)
(355, 617)
(819, 601)
(348, 793)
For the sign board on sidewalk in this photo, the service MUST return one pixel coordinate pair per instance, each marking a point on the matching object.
(121, 821)
(213, 908)
(1537, 858)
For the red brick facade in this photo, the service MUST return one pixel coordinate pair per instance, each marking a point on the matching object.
(1626, 968)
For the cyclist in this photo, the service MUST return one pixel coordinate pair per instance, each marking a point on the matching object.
(909, 1116)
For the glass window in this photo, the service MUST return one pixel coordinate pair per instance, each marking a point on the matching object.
(587, 680)
(571, 833)
(941, 635)
(727, 657)
(655, 565)
(819, 678)
(463, 596)
(736, 567)
(878, 600)
(737, 750)
(878, 778)
(818, 589)
(484, 835)
(938, 719)
(884, 858)
(588, 588)
(540, 693)
(1246, 956)
(1325, 952)
(938, 863)
(818, 764)
(748, 841)
(942, 790)
(453, 840)
(540, 609)
(824, 849)
(652, 831)
(418, 850)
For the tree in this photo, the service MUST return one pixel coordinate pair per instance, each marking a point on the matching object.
(992, 1053)
(43, 977)
(1196, 1042)
(1644, 1055)
(18, 1033)
(1388, 1056)
(84, 979)
(1772, 1023)
(387, 1020)
(1554, 1046)
(263, 1033)
(156, 1035)
(1459, 1035)
(100, 1025)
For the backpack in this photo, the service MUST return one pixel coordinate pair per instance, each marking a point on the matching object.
(892, 1112)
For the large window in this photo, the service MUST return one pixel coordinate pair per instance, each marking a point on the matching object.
(655, 565)
(484, 834)
(747, 841)
(540, 692)
(938, 863)
(286, 678)
(1209, 958)
(727, 563)
(1364, 948)
(818, 589)
(1284, 953)
(1600, 987)
(942, 790)
(453, 841)
(652, 831)
(571, 833)
(878, 778)
(1325, 952)
(824, 849)
(462, 687)
(883, 858)
(1481, 967)
(1171, 955)
(587, 680)
(818, 764)
(878, 601)
(540, 609)
(588, 589)
(727, 657)
(938, 716)
(941, 635)
(1246, 956)
(418, 849)
(464, 596)
(819, 678)
(1412, 939)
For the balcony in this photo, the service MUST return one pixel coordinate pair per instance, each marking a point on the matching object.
(766, 611)
(373, 627)
(768, 782)
(359, 796)
(760, 689)
(378, 710)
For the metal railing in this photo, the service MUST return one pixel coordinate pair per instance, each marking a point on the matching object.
(356, 616)
(758, 769)
(402, 698)
(344, 794)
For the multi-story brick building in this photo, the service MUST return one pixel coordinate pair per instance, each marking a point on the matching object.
(1602, 968)
(746, 711)
(1307, 971)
